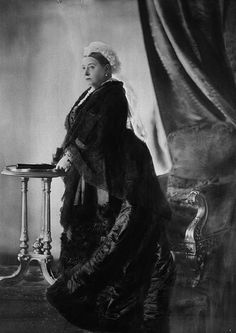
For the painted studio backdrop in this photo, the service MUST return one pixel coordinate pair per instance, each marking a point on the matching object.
(41, 77)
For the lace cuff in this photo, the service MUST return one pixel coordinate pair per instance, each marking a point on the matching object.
(68, 155)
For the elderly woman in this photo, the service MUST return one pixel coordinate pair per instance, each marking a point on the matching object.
(116, 267)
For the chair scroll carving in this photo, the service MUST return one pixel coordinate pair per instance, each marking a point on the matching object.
(205, 236)
(193, 233)
(194, 236)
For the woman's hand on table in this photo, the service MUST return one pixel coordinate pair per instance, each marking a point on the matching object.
(64, 163)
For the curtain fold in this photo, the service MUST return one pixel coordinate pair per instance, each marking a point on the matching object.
(191, 74)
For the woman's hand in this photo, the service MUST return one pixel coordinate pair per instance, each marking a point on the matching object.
(64, 163)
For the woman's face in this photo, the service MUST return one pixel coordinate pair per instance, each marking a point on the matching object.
(94, 72)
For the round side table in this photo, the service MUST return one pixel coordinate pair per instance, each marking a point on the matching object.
(42, 246)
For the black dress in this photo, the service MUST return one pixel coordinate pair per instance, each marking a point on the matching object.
(116, 267)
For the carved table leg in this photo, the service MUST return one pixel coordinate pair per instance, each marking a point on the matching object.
(38, 244)
(46, 266)
(42, 246)
(47, 232)
(23, 256)
(46, 261)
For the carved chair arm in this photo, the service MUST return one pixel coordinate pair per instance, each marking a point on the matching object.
(193, 233)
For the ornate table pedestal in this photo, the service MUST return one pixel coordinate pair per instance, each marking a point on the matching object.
(42, 246)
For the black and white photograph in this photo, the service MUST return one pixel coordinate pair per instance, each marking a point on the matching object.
(118, 166)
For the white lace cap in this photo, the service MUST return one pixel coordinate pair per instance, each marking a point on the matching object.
(107, 52)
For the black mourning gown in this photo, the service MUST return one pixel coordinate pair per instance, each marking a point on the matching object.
(116, 267)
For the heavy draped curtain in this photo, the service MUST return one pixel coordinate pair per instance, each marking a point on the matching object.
(191, 73)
